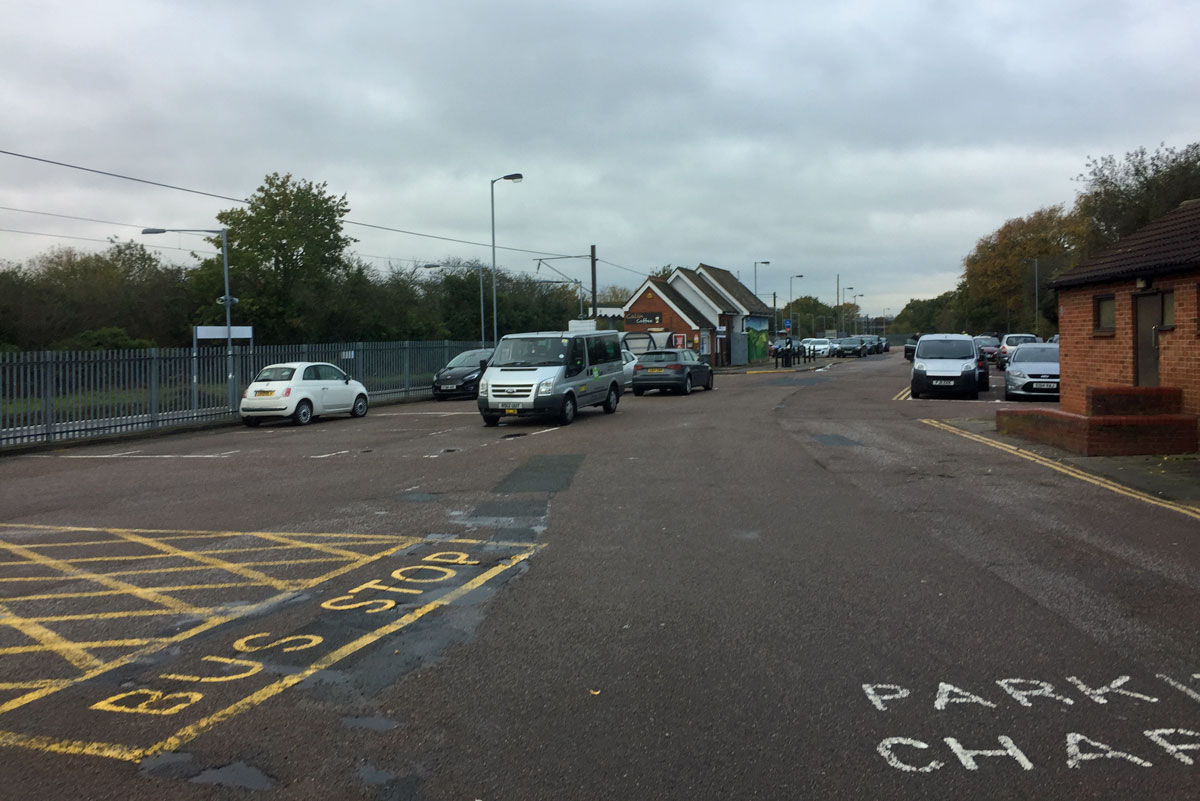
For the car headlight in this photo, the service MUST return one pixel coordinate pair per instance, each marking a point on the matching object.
(1015, 373)
(471, 376)
(483, 386)
(919, 367)
(546, 387)
(968, 367)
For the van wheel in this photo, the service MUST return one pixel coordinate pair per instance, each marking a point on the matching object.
(303, 414)
(913, 392)
(638, 391)
(567, 415)
(491, 420)
(610, 403)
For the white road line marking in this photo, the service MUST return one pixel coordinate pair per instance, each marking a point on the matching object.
(327, 455)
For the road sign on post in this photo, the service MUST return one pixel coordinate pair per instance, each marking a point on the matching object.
(787, 325)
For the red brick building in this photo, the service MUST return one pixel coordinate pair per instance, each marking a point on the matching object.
(1129, 324)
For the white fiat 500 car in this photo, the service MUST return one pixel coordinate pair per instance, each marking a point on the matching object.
(301, 391)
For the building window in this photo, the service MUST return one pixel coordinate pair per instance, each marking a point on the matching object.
(1168, 310)
(1104, 319)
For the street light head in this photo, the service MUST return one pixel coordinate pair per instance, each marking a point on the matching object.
(430, 266)
(801, 275)
(515, 177)
(154, 230)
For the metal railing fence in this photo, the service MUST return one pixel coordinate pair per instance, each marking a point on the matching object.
(53, 396)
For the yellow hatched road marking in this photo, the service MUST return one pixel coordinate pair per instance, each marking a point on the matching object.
(196, 556)
(67, 568)
(1074, 472)
(52, 596)
(70, 651)
(157, 645)
(31, 649)
(903, 394)
(196, 611)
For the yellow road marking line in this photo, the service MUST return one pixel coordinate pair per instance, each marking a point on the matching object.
(189, 733)
(70, 651)
(185, 569)
(34, 685)
(178, 533)
(70, 570)
(255, 549)
(55, 745)
(192, 611)
(1074, 472)
(51, 596)
(32, 649)
(312, 546)
(196, 556)
(158, 645)
(903, 394)
(364, 560)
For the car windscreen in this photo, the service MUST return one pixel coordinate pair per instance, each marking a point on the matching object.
(658, 356)
(945, 349)
(1029, 353)
(469, 358)
(987, 342)
(531, 352)
(276, 374)
(1014, 341)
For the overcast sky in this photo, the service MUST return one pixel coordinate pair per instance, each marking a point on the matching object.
(877, 140)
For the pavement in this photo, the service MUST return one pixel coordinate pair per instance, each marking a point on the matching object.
(1174, 478)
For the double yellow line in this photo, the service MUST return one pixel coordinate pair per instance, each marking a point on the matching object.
(903, 394)
(1073, 472)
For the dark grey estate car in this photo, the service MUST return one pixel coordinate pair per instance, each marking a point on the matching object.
(674, 369)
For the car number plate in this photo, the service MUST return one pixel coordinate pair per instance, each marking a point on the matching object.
(448, 387)
(263, 393)
(510, 411)
(655, 370)
(513, 405)
(1045, 385)
(942, 383)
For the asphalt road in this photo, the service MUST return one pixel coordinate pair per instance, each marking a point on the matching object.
(797, 586)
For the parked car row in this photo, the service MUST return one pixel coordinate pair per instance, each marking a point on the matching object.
(957, 364)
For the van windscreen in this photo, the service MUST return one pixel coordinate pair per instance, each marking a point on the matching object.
(531, 352)
(945, 349)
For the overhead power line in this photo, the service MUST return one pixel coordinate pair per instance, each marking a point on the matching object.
(243, 200)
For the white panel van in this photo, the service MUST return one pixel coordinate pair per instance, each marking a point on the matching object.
(552, 373)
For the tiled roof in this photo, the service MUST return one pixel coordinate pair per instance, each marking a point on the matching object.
(736, 289)
(681, 303)
(705, 288)
(1169, 244)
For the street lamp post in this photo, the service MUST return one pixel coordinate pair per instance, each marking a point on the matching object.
(226, 300)
(1037, 326)
(792, 297)
(756, 274)
(516, 178)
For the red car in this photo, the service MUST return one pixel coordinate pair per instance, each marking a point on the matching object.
(988, 345)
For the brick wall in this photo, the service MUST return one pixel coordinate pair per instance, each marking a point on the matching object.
(649, 301)
(1092, 359)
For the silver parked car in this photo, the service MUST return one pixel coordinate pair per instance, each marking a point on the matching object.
(1033, 371)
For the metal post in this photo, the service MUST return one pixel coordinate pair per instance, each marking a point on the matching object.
(228, 323)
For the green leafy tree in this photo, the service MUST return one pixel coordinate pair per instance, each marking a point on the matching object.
(1122, 196)
(287, 261)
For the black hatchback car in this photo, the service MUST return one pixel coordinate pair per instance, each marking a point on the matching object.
(460, 377)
